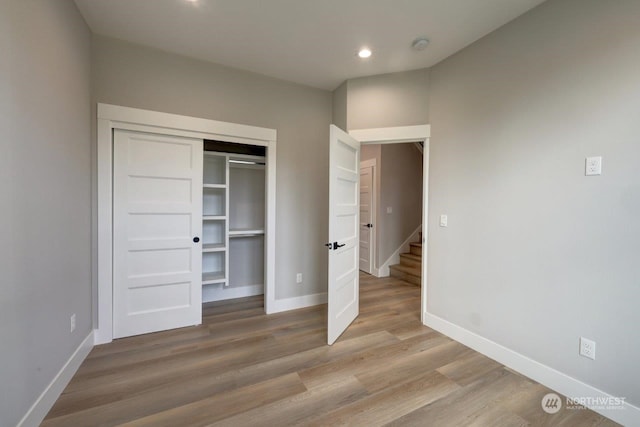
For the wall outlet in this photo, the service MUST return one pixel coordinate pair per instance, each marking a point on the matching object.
(73, 322)
(299, 278)
(587, 348)
(389, 209)
(593, 166)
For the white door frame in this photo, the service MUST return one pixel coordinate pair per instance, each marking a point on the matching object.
(112, 117)
(374, 208)
(398, 135)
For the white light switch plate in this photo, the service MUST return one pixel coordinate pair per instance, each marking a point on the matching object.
(443, 220)
(593, 166)
(389, 209)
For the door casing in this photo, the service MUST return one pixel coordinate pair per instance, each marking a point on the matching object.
(112, 117)
(399, 135)
(371, 163)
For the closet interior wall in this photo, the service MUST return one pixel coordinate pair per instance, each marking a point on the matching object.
(233, 226)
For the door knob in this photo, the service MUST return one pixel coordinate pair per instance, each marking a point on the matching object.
(329, 245)
(369, 225)
(196, 239)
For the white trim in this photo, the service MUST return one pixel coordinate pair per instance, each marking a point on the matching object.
(112, 117)
(167, 121)
(425, 221)
(368, 163)
(400, 134)
(218, 292)
(543, 374)
(103, 307)
(47, 399)
(383, 271)
(270, 230)
(392, 135)
(373, 164)
(299, 302)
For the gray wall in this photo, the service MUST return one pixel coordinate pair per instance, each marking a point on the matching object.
(134, 76)
(45, 191)
(339, 107)
(536, 254)
(396, 99)
(401, 189)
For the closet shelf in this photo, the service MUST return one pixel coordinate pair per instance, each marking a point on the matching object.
(245, 232)
(214, 185)
(213, 217)
(210, 247)
(209, 278)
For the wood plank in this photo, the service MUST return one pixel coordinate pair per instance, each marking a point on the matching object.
(459, 407)
(403, 369)
(468, 368)
(370, 359)
(301, 408)
(224, 405)
(392, 403)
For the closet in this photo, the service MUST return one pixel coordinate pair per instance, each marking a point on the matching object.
(233, 221)
(182, 218)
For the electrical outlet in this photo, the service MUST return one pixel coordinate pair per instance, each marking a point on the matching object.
(299, 278)
(593, 166)
(73, 322)
(587, 348)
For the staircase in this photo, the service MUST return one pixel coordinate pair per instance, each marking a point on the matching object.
(410, 265)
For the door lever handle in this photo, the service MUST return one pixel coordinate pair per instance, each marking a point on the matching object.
(329, 245)
(336, 245)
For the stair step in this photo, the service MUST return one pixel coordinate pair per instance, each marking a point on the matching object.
(415, 248)
(411, 260)
(408, 274)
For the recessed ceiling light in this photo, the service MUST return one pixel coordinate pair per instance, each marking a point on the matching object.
(420, 43)
(364, 53)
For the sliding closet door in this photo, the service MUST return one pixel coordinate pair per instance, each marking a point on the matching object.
(157, 225)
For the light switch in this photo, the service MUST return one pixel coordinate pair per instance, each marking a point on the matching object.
(443, 220)
(593, 166)
(389, 209)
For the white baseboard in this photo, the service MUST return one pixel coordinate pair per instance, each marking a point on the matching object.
(298, 302)
(545, 375)
(218, 292)
(46, 400)
(383, 270)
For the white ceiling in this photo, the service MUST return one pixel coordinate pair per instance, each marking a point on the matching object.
(313, 42)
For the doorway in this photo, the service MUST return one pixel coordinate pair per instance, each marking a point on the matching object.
(344, 224)
(397, 135)
(391, 210)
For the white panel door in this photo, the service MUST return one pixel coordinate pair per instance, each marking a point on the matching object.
(157, 224)
(366, 218)
(343, 286)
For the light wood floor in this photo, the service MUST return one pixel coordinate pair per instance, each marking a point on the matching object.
(244, 368)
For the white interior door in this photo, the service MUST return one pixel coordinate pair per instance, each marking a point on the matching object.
(157, 223)
(343, 286)
(366, 218)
